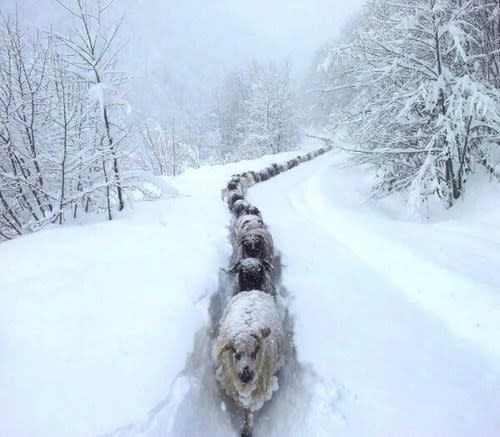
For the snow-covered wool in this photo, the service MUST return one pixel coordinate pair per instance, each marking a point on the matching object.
(272, 170)
(247, 222)
(253, 274)
(256, 176)
(292, 163)
(232, 197)
(248, 175)
(252, 209)
(255, 243)
(241, 207)
(232, 187)
(283, 167)
(264, 175)
(249, 349)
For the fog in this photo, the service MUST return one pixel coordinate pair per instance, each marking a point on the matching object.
(177, 51)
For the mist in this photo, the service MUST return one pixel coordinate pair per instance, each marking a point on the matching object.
(176, 52)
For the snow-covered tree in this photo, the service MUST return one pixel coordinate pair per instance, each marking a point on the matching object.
(423, 112)
(254, 113)
(268, 120)
(61, 124)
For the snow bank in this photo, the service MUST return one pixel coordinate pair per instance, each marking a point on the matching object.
(96, 321)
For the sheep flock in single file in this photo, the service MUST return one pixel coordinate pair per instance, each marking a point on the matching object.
(249, 349)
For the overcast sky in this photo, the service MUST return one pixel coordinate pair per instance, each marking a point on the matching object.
(187, 44)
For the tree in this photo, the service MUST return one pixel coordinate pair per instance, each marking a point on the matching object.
(423, 112)
(91, 48)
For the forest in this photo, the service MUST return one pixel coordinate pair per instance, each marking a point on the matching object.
(410, 88)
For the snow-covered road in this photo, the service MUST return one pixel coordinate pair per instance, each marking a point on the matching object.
(104, 328)
(409, 354)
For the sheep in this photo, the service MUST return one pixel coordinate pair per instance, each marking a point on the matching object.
(255, 243)
(232, 197)
(256, 176)
(247, 222)
(240, 207)
(276, 167)
(283, 167)
(249, 351)
(292, 163)
(272, 170)
(264, 175)
(253, 274)
(232, 186)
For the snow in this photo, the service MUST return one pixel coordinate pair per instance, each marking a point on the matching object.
(401, 317)
(396, 323)
(97, 320)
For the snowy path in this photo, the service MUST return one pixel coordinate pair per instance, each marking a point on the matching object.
(372, 317)
(104, 327)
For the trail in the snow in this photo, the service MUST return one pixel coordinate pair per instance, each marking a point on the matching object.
(196, 406)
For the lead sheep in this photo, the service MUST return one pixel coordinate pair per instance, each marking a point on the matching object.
(249, 351)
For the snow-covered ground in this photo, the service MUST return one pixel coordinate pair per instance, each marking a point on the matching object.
(103, 327)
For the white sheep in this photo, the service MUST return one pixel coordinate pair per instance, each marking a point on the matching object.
(249, 351)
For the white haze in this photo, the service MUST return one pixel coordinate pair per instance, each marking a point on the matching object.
(179, 50)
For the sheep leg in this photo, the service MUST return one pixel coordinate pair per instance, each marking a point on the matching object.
(248, 424)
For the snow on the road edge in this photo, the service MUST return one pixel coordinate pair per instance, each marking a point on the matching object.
(96, 321)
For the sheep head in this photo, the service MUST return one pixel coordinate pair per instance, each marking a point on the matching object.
(245, 354)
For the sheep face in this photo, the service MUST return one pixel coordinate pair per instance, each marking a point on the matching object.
(253, 274)
(256, 243)
(245, 355)
(232, 185)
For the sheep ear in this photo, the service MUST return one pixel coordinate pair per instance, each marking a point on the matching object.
(267, 265)
(265, 332)
(223, 349)
(235, 268)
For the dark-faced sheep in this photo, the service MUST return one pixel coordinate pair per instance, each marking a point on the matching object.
(249, 351)
(255, 243)
(253, 210)
(253, 274)
(240, 207)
